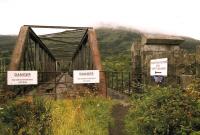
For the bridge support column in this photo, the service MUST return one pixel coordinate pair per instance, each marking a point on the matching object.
(92, 39)
(19, 49)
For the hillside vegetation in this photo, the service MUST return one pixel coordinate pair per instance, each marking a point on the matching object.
(115, 45)
(163, 111)
(6, 45)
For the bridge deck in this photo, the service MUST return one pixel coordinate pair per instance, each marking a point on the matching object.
(63, 88)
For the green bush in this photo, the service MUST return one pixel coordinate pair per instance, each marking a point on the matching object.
(26, 117)
(163, 111)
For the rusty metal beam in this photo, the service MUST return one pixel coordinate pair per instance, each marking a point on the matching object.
(92, 39)
(57, 27)
(19, 48)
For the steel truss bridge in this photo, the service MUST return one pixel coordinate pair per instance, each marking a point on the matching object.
(74, 48)
(56, 55)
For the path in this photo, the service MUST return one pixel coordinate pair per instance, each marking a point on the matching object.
(119, 112)
(65, 88)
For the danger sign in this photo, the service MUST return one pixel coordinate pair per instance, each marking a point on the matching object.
(22, 77)
(158, 67)
(85, 76)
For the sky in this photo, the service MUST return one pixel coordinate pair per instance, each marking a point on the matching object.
(177, 17)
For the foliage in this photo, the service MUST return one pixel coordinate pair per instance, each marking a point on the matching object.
(7, 43)
(193, 89)
(195, 85)
(38, 116)
(115, 47)
(119, 63)
(163, 111)
(26, 117)
(85, 116)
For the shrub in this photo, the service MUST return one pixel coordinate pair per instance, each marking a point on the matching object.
(165, 111)
(26, 116)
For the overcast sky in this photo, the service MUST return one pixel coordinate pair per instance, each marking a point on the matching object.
(178, 17)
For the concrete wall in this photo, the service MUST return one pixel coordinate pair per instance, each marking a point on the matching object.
(180, 62)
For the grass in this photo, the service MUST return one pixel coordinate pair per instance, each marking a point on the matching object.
(83, 116)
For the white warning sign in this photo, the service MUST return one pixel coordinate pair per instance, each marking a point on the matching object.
(22, 77)
(158, 67)
(85, 76)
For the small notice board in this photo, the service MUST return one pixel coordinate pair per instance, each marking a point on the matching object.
(158, 67)
(22, 77)
(85, 76)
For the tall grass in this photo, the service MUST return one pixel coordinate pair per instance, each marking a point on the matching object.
(38, 116)
(85, 116)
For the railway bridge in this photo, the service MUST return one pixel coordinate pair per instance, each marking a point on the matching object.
(55, 56)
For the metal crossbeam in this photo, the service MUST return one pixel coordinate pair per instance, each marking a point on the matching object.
(58, 27)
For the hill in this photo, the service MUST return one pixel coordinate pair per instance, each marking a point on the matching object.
(7, 43)
(115, 45)
(190, 43)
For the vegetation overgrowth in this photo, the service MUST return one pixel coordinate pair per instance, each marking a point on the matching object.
(25, 116)
(115, 47)
(163, 111)
(39, 116)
